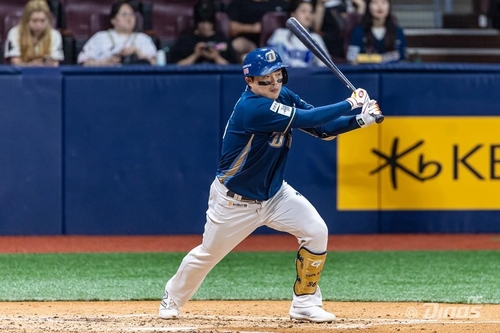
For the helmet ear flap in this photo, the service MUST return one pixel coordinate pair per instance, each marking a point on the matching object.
(285, 75)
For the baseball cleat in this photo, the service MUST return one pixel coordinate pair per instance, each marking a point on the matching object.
(313, 313)
(168, 308)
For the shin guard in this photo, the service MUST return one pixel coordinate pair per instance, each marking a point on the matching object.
(309, 268)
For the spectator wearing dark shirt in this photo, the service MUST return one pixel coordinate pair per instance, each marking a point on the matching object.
(204, 44)
(245, 22)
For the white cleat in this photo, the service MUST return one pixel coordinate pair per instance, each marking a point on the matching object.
(168, 308)
(313, 313)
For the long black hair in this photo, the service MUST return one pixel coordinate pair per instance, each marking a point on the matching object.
(390, 26)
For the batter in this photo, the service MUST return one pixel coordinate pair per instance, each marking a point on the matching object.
(249, 190)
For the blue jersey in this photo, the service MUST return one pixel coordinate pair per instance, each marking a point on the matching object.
(258, 137)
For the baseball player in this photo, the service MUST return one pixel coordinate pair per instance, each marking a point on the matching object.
(249, 190)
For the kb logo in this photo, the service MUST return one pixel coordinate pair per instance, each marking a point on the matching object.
(429, 169)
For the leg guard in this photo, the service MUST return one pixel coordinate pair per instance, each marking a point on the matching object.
(309, 268)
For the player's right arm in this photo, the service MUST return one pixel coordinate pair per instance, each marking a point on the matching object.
(317, 116)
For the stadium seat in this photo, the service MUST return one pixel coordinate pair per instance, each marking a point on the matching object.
(270, 22)
(78, 12)
(8, 7)
(169, 18)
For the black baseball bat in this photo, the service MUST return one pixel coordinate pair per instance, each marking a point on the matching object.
(305, 37)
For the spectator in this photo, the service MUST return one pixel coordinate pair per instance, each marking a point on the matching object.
(291, 49)
(204, 44)
(330, 23)
(121, 44)
(33, 42)
(245, 22)
(377, 37)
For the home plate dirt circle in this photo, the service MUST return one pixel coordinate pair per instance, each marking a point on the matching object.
(240, 317)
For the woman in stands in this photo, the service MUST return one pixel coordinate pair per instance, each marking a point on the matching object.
(120, 45)
(33, 42)
(291, 49)
(378, 37)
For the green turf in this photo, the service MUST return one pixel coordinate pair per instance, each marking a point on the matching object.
(430, 276)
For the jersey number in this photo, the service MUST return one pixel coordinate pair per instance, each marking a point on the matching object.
(278, 139)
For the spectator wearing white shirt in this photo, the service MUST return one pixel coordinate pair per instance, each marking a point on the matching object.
(33, 42)
(293, 52)
(120, 45)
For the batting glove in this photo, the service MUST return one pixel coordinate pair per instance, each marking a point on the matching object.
(358, 98)
(366, 117)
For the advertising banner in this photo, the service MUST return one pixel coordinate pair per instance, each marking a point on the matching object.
(421, 163)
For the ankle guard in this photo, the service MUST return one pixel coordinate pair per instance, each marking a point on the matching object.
(309, 268)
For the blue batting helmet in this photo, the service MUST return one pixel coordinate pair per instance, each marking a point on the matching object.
(263, 61)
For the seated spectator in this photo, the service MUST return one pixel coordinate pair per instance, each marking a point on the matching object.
(204, 44)
(121, 44)
(245, 22)
(33, 42)
(330, 22)
(377, 38)
(291, 49)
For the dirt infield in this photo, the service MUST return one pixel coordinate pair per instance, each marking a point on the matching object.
(244, 316)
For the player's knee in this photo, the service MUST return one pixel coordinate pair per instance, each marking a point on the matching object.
(316, 237)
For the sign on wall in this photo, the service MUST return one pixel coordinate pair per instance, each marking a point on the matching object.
(421, 163)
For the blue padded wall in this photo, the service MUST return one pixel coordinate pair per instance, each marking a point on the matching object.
(30, 152)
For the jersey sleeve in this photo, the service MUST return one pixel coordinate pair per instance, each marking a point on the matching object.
(12, 48)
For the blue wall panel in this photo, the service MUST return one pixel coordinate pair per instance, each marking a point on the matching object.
(436, 94)
(140, 152)
(440, 221)
(30, 152)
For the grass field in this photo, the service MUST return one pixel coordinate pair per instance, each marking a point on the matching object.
(423, 276)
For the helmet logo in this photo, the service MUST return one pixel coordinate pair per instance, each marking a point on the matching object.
(270, 56)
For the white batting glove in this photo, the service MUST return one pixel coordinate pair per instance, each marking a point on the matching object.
(358, 98)
(369, 110)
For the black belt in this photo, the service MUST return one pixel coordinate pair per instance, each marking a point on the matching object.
(240, 197)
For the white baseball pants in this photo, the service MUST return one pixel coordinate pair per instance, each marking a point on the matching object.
(230, 221)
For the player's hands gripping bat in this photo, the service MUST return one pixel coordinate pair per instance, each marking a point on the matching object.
(368, 113)
(305, 37)
(358, 98)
